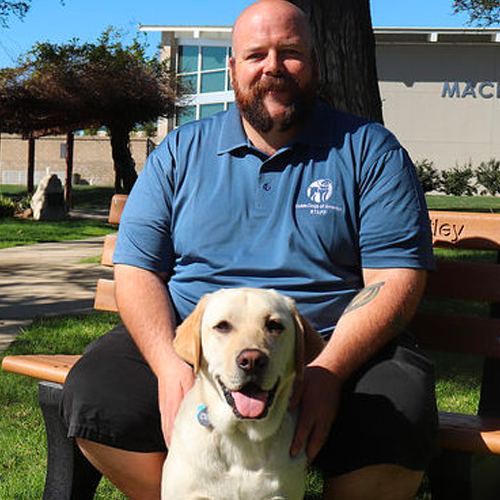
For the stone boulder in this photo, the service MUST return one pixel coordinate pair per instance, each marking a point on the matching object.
(48, 202)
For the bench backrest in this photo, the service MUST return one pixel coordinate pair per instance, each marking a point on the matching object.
(464, 281)
(105, 293)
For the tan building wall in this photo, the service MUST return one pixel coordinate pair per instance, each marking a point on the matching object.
(443, 100)
(92, 160)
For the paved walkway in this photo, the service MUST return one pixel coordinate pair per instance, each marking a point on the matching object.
(46, 279)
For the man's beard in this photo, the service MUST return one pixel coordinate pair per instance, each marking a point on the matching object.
(252, 107)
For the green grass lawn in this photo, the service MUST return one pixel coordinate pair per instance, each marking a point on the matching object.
(464, 203)
(16, 232)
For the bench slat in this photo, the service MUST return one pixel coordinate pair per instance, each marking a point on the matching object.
(105, 296)
(477, 231)
(50, 367)
(109, 250)
(472, 433)
(459, 334)
(116, 209)
(465, 280)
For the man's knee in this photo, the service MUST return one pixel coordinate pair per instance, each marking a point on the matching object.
(390, 482)
(113, 401)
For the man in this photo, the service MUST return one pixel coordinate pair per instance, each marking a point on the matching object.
(280, 192)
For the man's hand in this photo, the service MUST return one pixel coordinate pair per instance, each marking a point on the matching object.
(318, 395)
(173, 386)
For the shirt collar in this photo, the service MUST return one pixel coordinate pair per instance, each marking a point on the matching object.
(232, 135)
(316, 132)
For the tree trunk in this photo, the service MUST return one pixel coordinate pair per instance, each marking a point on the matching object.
(343, 35)
(70, 141)
(124, 164)
(30, 181)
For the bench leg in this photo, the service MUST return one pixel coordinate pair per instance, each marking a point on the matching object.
(449, 476)
(459, 475)
(70, 476)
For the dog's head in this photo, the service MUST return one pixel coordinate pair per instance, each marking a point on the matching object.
(251, 343)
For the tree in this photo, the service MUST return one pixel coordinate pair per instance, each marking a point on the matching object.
(8, 7)
(67, 87)
(18, 9)
(343, 35)
(481, 12)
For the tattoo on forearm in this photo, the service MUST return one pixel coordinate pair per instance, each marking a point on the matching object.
(364, 297)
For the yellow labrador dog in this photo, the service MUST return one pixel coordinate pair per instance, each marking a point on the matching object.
(233, 433)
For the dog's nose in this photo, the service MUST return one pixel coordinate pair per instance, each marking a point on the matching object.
(252, 360)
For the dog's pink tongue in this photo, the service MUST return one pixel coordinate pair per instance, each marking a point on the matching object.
(250, 404)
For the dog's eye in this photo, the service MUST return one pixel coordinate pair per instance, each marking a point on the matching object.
(223, 327)
(274, 326)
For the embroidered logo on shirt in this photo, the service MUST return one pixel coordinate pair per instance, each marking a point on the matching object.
(320, 191)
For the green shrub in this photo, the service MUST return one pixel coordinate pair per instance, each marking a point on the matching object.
(428, 175)
(7, 207)
(488, 176)
(458, 181)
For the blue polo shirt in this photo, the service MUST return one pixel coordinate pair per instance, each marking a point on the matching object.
(213, 211)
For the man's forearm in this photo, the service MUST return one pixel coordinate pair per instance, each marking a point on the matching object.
(146, 310)
(375, 315)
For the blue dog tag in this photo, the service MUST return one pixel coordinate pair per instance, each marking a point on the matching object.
(202, 416)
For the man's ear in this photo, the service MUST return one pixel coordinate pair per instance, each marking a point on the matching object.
(187, 342)
(231, 71)
(308, 343)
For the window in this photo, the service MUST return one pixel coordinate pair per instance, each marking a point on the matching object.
(190, 83)
(207, 110)
(186, 114)
(213, 82)
(213, 58)
(204, 69)
(188, 59)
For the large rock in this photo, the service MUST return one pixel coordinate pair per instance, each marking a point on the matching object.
(48, 201)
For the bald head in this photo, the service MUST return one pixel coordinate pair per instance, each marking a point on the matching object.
(269, 13)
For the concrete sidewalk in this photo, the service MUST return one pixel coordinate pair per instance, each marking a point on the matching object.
(46, 279)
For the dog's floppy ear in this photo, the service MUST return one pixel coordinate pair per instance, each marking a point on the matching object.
(187, 342)
(308, 342)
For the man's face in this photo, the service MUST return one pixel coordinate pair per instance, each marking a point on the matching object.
(272, 71)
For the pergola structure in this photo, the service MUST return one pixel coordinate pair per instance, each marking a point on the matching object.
(33, 117)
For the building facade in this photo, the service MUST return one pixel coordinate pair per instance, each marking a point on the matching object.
(440, 88)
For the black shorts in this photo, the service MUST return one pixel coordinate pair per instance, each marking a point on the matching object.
(387, 413)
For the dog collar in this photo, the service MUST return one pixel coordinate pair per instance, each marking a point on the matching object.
(202, 416)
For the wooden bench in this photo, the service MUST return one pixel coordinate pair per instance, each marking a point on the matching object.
(464, 280)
